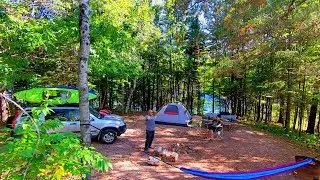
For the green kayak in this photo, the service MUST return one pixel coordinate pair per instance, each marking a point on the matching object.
(56, 95)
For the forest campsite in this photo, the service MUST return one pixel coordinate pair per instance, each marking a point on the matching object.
(160, 89)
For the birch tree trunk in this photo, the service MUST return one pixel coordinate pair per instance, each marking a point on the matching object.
(83, 72)
(4, 109)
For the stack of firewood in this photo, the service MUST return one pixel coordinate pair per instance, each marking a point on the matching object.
(166, 155)
(182, 148)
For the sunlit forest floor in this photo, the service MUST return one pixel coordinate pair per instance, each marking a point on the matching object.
(241, 149)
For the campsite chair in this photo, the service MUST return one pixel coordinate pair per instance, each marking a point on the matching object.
(219, 132)
(196, 124)
(206, 120)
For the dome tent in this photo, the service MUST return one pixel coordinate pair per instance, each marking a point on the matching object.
(173, 114)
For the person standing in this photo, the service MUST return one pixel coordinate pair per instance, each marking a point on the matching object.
(150, 127)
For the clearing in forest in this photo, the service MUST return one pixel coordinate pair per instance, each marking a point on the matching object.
(241, 149)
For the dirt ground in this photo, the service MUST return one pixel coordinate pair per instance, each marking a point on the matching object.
(241, 149)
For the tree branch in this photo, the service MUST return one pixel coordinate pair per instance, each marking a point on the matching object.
(293, 5)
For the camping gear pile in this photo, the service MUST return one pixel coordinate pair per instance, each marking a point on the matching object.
(164, 155)
(153, 161)
(104, 112)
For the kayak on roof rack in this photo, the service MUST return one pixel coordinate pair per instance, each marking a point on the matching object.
(56, 94)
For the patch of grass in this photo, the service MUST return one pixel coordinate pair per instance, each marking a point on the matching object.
(306, 140)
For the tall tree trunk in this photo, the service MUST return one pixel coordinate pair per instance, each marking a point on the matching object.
(130, 95)
(233, 96)
(171, 70)
(143, 91)
(280, 120)
(289, 85)
(178, 88)
(133, 101)
(312, 117)
(288, 112)
(157, 96)
(244, 110)
(83, 72)
(191, 98)
(161, 93)
(255, 111)
(103, 99)
(219, 99)
(184, 101)
(270, 116)
(267, 111)
(239, 98)
(263, 106)
(123, 86)
(149, 92)
(295, 116)
(198, 99)
(111, 94)
(103, 92)
(318, 127)
(249, 107)
(239, 104)
(152, 92)
(259, 108)
(212, 96)
(188, 94)
(302, 106)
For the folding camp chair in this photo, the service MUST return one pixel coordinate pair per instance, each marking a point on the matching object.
(218, 132)
(195, 124)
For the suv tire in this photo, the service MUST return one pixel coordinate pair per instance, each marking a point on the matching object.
(108, 136)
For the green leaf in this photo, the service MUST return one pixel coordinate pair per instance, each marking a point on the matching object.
(27, 153)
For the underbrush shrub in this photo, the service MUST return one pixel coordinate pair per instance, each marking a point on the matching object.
(33, 153)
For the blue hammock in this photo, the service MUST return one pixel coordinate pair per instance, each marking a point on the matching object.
(251, 174)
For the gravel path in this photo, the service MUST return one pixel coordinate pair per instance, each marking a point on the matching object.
(241, 149)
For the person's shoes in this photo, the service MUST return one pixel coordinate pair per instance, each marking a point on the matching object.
(206, 138)
(146, 150)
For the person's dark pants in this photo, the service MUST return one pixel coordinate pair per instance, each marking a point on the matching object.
(149, 139)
